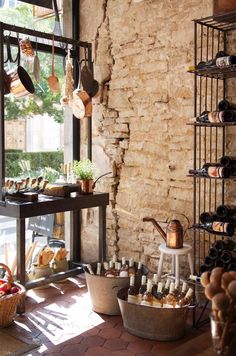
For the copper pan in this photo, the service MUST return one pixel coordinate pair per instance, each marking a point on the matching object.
(18, 82)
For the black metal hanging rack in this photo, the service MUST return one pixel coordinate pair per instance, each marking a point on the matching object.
(45, 47)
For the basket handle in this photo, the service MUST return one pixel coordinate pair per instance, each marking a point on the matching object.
(9, 275)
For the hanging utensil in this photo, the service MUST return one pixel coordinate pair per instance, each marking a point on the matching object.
(90, 85)
(67, 95)
(53, 81)
(36, 69)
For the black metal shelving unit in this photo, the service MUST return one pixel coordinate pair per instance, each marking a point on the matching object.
(209, 140)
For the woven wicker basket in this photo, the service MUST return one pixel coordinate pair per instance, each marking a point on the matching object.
(8, 302)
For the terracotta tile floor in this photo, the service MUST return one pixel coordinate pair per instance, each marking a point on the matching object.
(61, 319)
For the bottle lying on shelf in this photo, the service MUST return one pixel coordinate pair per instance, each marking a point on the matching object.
(225, 105)
(225, 211)
(217, 117)
(211, 171)
(217, 228)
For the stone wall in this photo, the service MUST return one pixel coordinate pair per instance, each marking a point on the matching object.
(142, 50)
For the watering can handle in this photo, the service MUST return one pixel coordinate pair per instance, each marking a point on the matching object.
(105, 174)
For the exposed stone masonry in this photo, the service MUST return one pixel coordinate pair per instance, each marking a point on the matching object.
(141, 53)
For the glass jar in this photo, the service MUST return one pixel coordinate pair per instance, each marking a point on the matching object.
(223, 337)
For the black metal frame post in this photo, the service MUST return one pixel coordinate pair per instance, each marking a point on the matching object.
(2, 130)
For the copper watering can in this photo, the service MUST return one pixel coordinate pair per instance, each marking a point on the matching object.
(174, 235)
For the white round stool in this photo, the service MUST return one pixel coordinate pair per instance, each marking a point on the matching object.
(175, 253)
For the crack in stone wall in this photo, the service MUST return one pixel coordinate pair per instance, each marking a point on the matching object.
(142, 51)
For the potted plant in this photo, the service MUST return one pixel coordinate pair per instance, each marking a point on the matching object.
(84, 172)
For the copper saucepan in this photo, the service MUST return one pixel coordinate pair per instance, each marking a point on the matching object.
(17, 81)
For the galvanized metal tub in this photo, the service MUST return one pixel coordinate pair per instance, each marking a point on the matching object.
(163, 324)
(103, 291)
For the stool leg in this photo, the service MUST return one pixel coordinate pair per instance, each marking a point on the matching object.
(190, 261)
(173, 265)
(159, 270)
(177, 268)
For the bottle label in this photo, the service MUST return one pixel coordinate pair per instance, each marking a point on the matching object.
(219, 226)
(132, 299)
(223, 61)
(216, 172)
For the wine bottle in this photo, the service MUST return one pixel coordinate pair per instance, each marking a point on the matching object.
(228, 257)
(166, 288)
(213, 253)
(117, 268)
(111, 272)
(231, 267)
(142, 289)
(170, 297)
(195, 278)
(99, 266)
(139, 271)
(218, 228)
(208, 217)
(224, 105)
(89, 267)
(211, 171)
(227, 160)
(132, 296)
(209, 262)
(147, 298)
(158, 296)
(221, 245)
(105, 267)
(154, 284)
(124, 271)
(224, 211)
(131, 267)
(187, 299)
(183, 291)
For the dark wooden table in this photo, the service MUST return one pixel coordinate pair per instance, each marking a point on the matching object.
(48, 205)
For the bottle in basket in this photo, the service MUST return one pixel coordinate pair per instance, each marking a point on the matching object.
(117, 268)
(142, 289)
(132, 270)
(183, 291)
(171, 298)
(99, 267)
(105, 267)
(154, 284)
(139, 271)
(132, 296)
(158, 296)
(147, 298)
(124, 271)
(90, 269)
(187, 299)
(111, 272)
(166, 288)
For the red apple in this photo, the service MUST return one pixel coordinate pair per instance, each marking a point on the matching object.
(2, 281)
(5, 287)
(14, 289)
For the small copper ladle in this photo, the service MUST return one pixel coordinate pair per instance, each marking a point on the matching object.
(53, 81)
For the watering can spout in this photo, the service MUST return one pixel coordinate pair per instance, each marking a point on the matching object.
(156, 225)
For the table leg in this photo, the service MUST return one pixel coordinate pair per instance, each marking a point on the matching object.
(190, 261)
(20, 259)
(159, 270)
(102, 233)
(177, 268)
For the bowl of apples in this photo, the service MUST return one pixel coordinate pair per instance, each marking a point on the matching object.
(10, 295)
